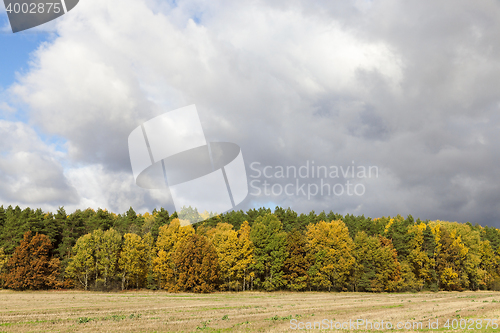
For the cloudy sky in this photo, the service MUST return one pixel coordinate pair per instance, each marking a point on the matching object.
(408, 87)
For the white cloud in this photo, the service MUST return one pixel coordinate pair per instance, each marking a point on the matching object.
(29, 169)
(4, 107)
(114, 191)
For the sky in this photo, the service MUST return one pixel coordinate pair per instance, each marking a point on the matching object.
(407, 88)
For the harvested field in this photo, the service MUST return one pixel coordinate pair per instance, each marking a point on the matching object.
(145, 311)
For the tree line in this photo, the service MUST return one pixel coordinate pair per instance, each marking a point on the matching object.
(254, 250)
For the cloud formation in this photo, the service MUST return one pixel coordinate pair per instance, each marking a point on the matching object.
(407, 87)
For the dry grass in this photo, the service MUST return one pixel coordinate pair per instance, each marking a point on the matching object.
(143, 311)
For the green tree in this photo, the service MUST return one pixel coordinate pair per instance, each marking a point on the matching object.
(73, 227)
(269, 242)
(377, 268)
(161, 218)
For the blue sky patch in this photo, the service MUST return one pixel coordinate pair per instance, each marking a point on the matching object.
(16, 50)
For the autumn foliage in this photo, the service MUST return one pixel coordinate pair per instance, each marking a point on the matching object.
(237, 251)
(31, 267)
(197, 265)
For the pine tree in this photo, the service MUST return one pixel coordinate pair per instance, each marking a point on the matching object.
(73, 227)
(161, 218)
(13, 230)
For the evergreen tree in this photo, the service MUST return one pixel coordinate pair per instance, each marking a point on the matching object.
(161, 218)
(287, 217)
(13, 230)
(73, 227)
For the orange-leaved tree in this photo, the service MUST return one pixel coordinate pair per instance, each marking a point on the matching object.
(31, 266)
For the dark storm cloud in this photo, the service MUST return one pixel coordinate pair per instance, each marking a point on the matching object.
(409, 87)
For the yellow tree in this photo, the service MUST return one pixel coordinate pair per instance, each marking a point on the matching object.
(331, 247)
(107, 247)
(418, 259)
(197, 264)
(149, 256)
(3, 263)
(225, 241)
(488, 269)
(169, 238)
(389, 274)
(245, 256)
(297, 263)
(81, 266)
(131, 263)
(450, 260)
(468, 238)
(149, 222)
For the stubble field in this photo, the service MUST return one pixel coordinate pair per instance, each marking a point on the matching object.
(144, 311)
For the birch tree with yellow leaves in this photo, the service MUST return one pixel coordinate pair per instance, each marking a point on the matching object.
(169, 238)
(331, 248)
(132, 261)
